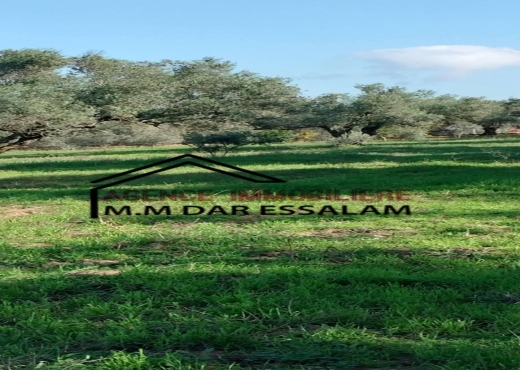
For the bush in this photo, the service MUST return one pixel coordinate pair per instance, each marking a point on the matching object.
(217, 142)
(354, 137)
(226, 141)
(270, 137)
(308, 135)
(402, 132)
(464, 128)
(113, 134)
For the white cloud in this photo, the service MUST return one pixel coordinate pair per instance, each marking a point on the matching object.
(454, 60)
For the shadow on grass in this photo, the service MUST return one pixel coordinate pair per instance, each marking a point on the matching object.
(232, 301)
(398, 153)
(91, 152)
(176, 150)
(412, 178)
(378, 313)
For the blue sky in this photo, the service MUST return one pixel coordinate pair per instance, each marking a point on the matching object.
(462, 47)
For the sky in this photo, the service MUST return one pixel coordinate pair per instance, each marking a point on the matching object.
(459, 47)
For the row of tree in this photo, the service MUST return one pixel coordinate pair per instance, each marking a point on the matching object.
(43, 93)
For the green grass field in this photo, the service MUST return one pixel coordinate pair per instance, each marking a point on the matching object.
(437, 289)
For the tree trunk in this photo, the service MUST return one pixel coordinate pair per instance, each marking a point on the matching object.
(17, 140)
(335, 132)
(489, 131)
(372, 131)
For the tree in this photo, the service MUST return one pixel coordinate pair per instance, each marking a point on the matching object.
(207, 95)
(378, 106)
(43, 92)
(120, 90)
(509, 116)
(35, 100)
(24, 65)
(467, 112)
(512, 107)
(329, 112)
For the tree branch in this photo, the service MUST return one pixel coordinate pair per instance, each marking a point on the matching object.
(17, 140)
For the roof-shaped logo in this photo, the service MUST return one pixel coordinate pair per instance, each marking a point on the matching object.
(240, 173)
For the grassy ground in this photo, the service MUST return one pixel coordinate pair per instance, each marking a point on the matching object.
(437, 289)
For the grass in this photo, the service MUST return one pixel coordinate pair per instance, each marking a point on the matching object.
(437, 289)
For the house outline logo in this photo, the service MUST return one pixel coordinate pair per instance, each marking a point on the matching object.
(94, 195)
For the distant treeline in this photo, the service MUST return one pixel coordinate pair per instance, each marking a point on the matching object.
(95, 100)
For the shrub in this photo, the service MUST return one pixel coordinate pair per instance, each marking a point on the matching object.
(354, 137)
(402, 132)
(217, 142)
(226, 141)
(307, 135)
(113, 134)
(459, 129)
(270, 137)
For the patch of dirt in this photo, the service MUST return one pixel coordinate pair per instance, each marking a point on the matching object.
(78, 233)
(122, 244)
(32, 245)
(334, 255)
(172, 248)
(500, 229)
(268, 255)
(323, 233)
(17, 211)
(173, 225)
(88, 261)
(463, 252)
(338, 233)
(405, 253)
(94, 273)
(55, 264)
(251, 218)
(400, 253)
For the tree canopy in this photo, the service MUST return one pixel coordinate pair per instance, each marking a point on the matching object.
(43, 93)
